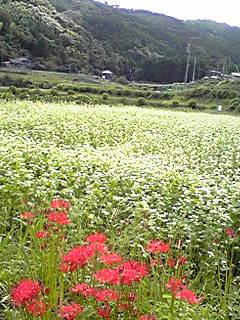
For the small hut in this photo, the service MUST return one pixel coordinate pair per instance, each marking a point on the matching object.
(107, 74)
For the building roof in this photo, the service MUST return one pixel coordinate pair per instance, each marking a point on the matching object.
(107, 72)
(235, 74)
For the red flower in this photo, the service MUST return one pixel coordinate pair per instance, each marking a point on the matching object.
(70, 312)
(96, 238)
(148, 317)
(181, 260)
(111, 258)
(36, 308)
(104, 312)
(158, 247)
(110, 276)
(175, 285)
(60, 204)
(27, 215)
(124, 307)
(25, 291)
(156, 262)
(132, 271)
(106, 295)
(58, 218)
(94, 248)
(132, 296)
(84, 289)
(188, 296)
(171, 263)
(127, 273)
(42, 234)
(230, 233)
(75, 259)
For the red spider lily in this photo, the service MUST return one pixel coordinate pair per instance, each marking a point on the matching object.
(156, 262)
(84, 289)
(60, 204)
(125, 307)
(132, 296)
(106, 295)
(111, 258)
(42, 234)
(110, 276)
(157, 247)
(230, 233)
(75, 259)
(188, 296)
(27, 215)
(148, 317)
(171, 263)
(60, 218)
(70, 312)
(96, 238)
(104, 312)
(175, 285)
(36, 308)
(182, 260)
(94, 248)
(25, 291)
(127, 273)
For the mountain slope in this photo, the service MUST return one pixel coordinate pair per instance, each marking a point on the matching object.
(91, 36)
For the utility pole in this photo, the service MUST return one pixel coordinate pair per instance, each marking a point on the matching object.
(188, 62)
(194, 69)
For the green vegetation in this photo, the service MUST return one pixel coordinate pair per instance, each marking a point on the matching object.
(81, 88)
(87, 36)
(135, 174)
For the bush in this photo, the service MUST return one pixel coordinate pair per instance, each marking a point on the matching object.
(141, 102)
(54, 92)
(166, 95)
(83, 99)
(192, 104)
(122, 80)
(156, 95)
(175, 104)
(13, 90)
(105, 96)
(46, 85)
(235, 104)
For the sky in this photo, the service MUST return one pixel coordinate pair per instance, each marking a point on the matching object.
(218, 10)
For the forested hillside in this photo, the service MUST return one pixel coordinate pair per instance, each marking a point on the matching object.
(90, 36)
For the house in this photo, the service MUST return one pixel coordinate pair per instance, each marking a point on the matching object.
(18, 63)
(235, 75)
(107, 74)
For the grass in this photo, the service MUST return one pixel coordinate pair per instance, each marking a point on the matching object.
(136, 174)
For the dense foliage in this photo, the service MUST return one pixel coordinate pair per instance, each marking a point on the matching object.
(71, 35)
(135, 174)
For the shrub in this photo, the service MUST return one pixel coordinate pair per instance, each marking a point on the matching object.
(167, 95)
(124, 101)
(13, 90)
(235, 104)
(192, 104)
(46, 85)
(175, 104)
(122, 80)
(24, 95)
(54, 92)
(83, 99)
(105, 96)
(156, 95)
(141, 102)
(95, 101)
